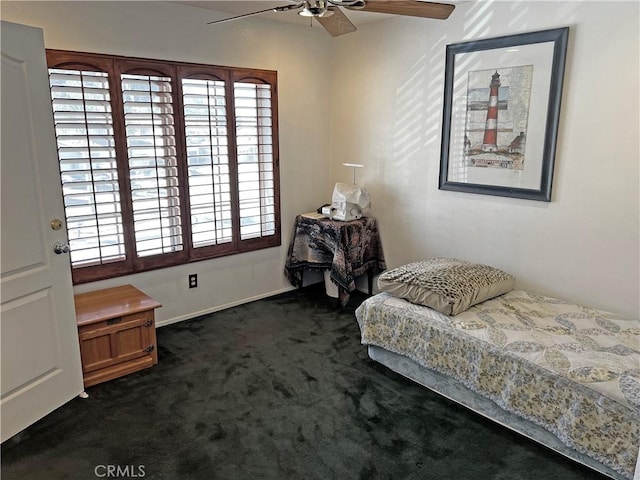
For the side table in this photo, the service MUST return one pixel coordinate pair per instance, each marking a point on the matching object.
(117, 332)
(347, 249)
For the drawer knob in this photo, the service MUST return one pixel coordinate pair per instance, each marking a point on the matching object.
(113, 321)
(150, 349)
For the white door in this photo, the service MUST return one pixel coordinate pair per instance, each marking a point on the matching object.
(40, 356)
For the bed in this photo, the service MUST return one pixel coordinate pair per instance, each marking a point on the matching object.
(564, 375)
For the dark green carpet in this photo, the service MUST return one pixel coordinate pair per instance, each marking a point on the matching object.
(276, 389)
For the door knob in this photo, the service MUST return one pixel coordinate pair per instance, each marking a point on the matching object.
(61, 248)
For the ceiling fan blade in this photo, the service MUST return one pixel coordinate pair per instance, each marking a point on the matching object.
(284, 8)
(336, 24)
(414, 8)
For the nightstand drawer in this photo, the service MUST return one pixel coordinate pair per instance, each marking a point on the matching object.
(114, 324)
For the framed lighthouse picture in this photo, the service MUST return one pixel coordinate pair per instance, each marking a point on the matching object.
(501, 113)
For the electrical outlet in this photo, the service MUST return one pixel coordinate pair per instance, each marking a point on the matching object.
(193, 280)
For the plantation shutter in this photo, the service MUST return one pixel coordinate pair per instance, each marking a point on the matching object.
(206, 135)
(163, 163)
(153, 165)
(254, 139)
(86, 149)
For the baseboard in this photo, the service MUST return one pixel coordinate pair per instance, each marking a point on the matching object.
(182, 318)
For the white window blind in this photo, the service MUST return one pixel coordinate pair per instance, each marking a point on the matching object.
(153, 171)
(208, 161)
(86, 150)
(254, 136)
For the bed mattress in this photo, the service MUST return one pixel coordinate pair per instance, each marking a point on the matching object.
(575, 371)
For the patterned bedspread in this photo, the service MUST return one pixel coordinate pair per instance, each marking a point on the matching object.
(573, 370)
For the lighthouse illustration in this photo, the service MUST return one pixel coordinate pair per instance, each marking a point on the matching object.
(502, 107)
(490, 140)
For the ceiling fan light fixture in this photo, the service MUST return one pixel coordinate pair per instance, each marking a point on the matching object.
(314, 11)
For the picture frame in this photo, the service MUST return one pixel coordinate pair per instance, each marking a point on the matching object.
(502, 101)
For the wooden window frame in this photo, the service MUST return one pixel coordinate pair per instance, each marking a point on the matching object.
(114, 66)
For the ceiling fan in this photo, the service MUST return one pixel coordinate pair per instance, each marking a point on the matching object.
(331, 17)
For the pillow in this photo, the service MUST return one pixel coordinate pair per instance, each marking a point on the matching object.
(447, 285)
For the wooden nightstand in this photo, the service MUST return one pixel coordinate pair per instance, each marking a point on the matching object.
(117, 332)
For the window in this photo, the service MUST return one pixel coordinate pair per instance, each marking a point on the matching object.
(163, 163)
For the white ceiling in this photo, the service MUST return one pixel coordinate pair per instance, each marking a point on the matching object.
(239, 7)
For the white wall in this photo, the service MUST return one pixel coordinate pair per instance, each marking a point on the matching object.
(584, 245)
(171, 32)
